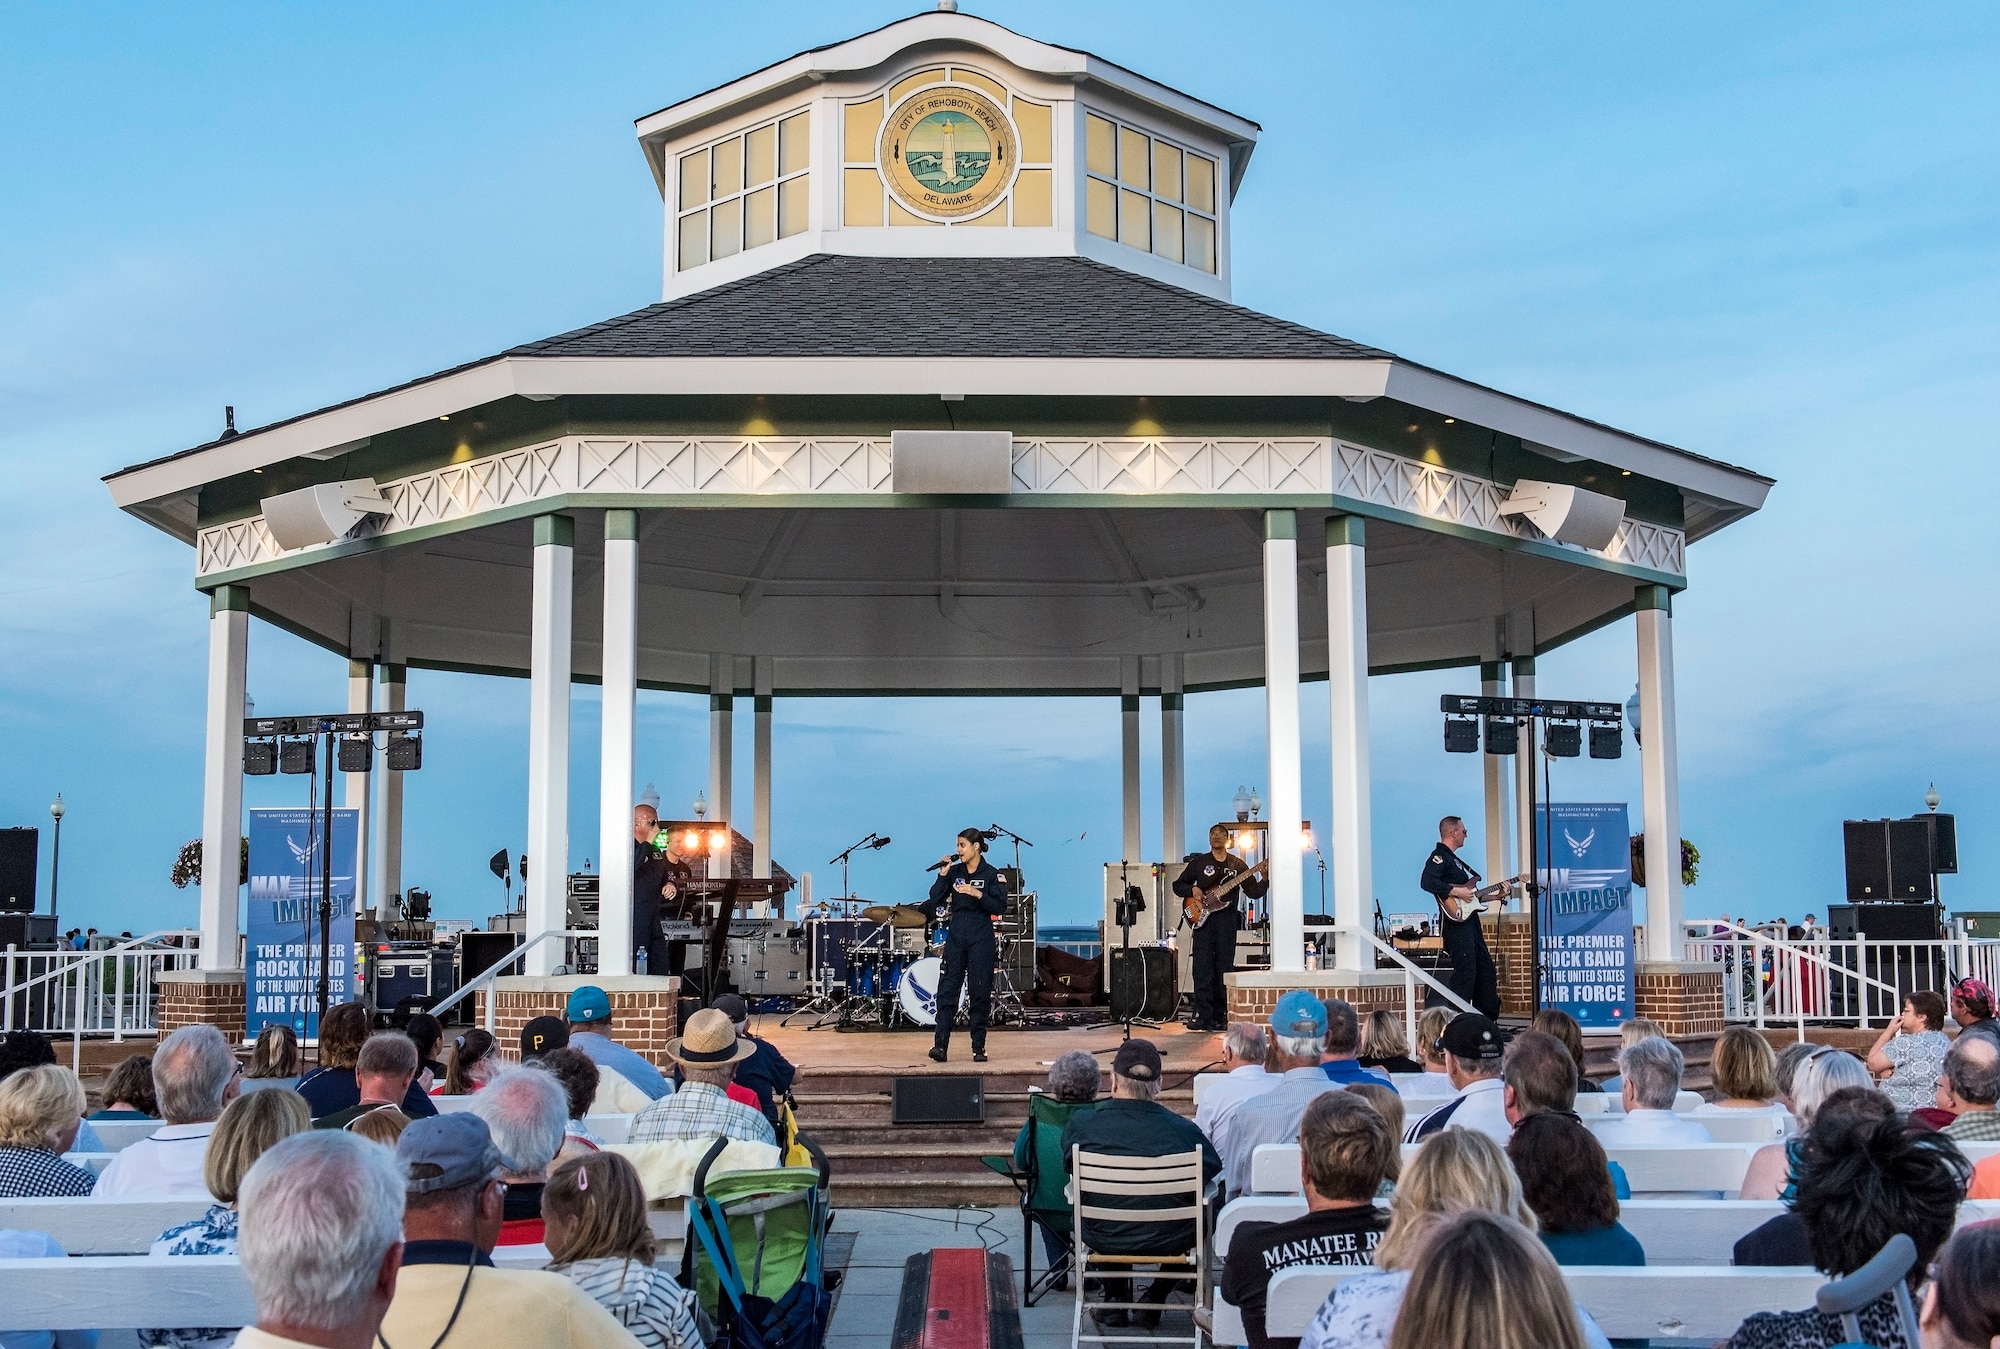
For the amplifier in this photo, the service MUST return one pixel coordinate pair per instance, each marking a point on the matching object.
(18, 852)
(938, 1099)
(768, 966)
(27, 932)
(1143, 984)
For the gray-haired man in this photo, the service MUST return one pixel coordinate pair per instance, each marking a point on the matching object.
(194, 1076)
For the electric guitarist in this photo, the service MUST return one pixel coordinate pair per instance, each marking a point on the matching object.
(1215, 937)
(1455, 886)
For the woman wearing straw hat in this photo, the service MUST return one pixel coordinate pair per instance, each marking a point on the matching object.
(708, 1051)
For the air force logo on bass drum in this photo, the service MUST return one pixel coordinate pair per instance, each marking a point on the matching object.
(948, 152)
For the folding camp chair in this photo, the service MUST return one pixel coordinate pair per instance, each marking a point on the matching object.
(754, 1254)
(1887, 1272)
(1100, 1176)
(1041, 1182)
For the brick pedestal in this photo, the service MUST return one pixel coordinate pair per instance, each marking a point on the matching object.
(1253, 993)
(202, 998)
(1511, 939)
(643, 1015)
(1684, 997)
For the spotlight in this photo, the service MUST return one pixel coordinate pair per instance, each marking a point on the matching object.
(693, 841)
(297, 756)
(1563, 740)
(1503, 735)
(405, 753)
(357, 753)
(1606, 741)
(260, 758)
(1461, 735)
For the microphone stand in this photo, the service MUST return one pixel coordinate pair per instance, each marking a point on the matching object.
(846, 893)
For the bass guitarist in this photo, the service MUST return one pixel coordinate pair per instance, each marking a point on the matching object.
(1455, 886)
(1215, 937)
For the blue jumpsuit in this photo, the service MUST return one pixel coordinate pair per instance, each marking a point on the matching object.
(970, 949)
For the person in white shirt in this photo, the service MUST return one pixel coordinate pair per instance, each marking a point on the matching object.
(1651, 1071)
(1473, 1050)
(194, 1076)
(1298, 1034)
(1243, 1052)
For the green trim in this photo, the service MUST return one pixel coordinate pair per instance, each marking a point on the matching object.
(395, 674)
(1281, 524)
(1490, 671)
(1654, 597)
(621, 523)
(555, 531)
(228, 599)
(721, 702)
(360, 669)
(1525, 665)
(761, 703)
(1128, 702)
(1346, 531)
(1171, 702)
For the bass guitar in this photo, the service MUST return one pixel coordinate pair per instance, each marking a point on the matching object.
(1488, 899)
(1198, 906)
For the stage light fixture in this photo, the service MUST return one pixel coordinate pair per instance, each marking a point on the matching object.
(1503, 735)
(260, 758)
(405, 753)
(693, 841)
(1606, 741)
(1461, 735)
(357, 753)
(1563, 740)
(297, 756)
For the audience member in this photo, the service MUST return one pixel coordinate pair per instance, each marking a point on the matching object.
(1745, 1074)
(707, 1053)
(128, 1091)
(1457, 1171)
(384, 1072)
(1073, 1080)
(1560, 1024)
(1785, 1071)
(426, 1032)
(1430, 1029)
(1566, 1179)
(1297, 1033)
(1770, 1172)
(250, 1126)
(1972, 1007)
(469, 1063)
(1539, 1076)
(1907, 1058)
(767, 1073)
(195, 1076)
(578, 1076)
(40, 1111)
(1864, 1174)
(1385, 1045)
(1243, 1054)
(628, 1083)
(455, 1205)
(1134, 1124)
(275, 1059)
(1961, 1308)
(1472, 1053)
(1629, 1034)
(1483, 1283)
(600, 1240)
(527, 1112)
(1338, 1055)
(1345, 1152)
(31, 1049)
(15, 1245)
(331, 1088)
(1649, 1074)
(541, 1035)
(384, 1125)
(1388, 1103)
(319, 1240)
(1970, 1089)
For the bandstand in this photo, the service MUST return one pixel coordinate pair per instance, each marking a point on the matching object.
(945, 394)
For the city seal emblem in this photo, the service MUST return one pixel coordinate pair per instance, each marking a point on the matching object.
(948, 152)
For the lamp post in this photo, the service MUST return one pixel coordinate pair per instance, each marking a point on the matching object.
(56, 809)
(1931, 797)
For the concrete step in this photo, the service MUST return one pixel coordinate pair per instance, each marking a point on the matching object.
(919, 1160)
(880, 1190)
(995, 1134)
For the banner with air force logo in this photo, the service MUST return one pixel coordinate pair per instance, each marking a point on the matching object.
(283, 931)
(1585, 861)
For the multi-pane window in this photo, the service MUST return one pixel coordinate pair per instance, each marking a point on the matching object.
(744, 191)
(1149, 193)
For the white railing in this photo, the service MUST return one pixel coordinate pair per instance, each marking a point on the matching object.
(485, 978)
(1412, 972)
(112, 992)
(1769, 978)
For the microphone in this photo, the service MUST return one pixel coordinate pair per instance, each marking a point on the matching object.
(941, 864)
(882, 842)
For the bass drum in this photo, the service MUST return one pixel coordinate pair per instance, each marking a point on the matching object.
(917, 994)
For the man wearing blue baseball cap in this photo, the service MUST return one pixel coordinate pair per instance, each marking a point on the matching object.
(626, 1083)
(1298, 1034)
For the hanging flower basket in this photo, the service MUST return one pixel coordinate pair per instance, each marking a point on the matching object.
(187, 866)
(1690, 862)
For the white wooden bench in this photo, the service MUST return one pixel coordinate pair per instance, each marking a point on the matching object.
(93, 1162)
(101, 1226)
(610, 1128)
(1274, 1167)
(1735, 1127)
(119, 1134)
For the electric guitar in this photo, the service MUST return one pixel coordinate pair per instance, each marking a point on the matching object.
(1198, 906)
(1485, 900)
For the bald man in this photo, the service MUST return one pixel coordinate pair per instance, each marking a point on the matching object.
(652, 880)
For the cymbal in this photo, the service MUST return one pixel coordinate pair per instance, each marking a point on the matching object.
(895, 915)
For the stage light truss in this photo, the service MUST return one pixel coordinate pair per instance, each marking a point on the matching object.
(291, 744)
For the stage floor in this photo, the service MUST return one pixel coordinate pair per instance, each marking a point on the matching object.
(1009, 1050)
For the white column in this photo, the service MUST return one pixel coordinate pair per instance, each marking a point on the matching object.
(1281, 733)
(1173, 763)
(721, 753)
(548, 736)
(1132, 849)
(1350, 837)
(1659, 773)
(354, 788)
(1525, 787)
(389, 823)
(760, 769)
(615, 767)
(1499, 783)
(222, 777)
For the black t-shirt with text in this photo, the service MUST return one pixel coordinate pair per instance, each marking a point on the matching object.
(1336, 1236)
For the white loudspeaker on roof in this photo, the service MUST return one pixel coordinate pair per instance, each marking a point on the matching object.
(1567, 514)
(322, 513)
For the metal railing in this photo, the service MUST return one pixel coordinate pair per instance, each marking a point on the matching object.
(112, 991)
(1769, 978)
(485, 978)
(1412, 972)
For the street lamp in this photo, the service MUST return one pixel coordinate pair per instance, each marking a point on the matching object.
(1931, 797)
(56, 809)
(1632, 716)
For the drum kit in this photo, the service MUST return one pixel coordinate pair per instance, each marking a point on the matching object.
(872, 965)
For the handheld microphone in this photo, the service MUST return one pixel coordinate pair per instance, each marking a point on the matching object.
(941, 864)
(882, 842)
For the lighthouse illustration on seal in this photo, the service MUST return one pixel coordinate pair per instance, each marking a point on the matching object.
(948, 159)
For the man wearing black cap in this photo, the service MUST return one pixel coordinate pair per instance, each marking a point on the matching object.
(1473, 1049)
(1134, 1124)
(767, 1072)
(542, 1034)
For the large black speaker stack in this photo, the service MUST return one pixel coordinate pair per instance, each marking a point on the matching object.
(18, 851)
(1907, 969)
(1899, 861)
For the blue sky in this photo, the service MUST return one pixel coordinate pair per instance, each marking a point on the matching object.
(1769, 233)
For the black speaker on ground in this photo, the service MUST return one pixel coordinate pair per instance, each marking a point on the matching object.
(18, 850)
(1905, 968)
(478, 950)
(27, 932)
(1144, 984)
(1944, 843)
(937, 1099)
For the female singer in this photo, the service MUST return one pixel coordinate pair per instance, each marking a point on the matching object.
(968, 894)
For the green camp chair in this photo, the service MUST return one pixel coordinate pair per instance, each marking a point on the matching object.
(1041, 1181)
(755, 1255)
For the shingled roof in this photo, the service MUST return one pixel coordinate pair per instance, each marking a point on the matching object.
(1050, 307)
